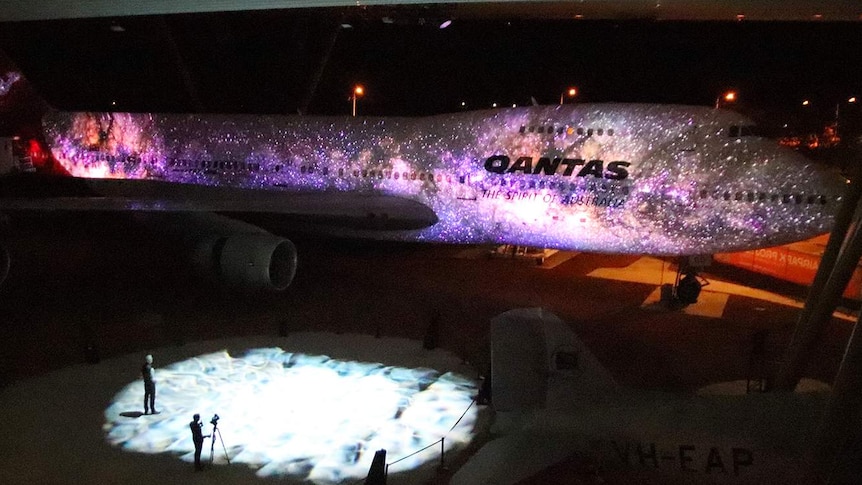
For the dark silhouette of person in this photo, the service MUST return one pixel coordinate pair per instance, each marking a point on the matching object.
(198, 438)
(149, 377)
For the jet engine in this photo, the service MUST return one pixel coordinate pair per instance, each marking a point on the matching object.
(258, 261)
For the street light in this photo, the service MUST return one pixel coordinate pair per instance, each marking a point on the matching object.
(728, 97)
(571, 92)
(357, 92)
(850, 100)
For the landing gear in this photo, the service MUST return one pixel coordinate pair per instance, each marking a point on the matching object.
(687, 285)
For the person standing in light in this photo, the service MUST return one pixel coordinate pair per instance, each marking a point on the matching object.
(149, 377)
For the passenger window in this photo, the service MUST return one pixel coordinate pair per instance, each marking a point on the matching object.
(580, 131)
(750, 196)
(733, 132)
(610, 132)
(589, 132)
(811, 199)
(523, 129)
(600, 131)
(785, 199)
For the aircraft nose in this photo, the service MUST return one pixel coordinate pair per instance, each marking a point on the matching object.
(816, 181)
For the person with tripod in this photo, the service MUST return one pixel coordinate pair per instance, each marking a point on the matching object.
(198, 438)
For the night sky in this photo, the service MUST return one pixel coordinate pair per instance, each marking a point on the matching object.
(267, 62)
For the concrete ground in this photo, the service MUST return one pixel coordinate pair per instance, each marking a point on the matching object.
(88, 289)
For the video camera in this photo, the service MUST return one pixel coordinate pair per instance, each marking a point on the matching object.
(214, 420)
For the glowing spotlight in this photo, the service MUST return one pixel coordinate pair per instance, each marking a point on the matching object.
(304, 416)
(445, 24)
(851, 99)
(728, 97)
(571, 92)
(358, 91)
(805, 102)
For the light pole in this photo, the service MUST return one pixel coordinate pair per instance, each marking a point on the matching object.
(728, 97)
(357, 92)
(571, 92)
(850, 100)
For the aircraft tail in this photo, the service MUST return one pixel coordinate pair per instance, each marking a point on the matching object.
(537, 362)
(22, 147)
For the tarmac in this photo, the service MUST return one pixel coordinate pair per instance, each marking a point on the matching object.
(85, 292)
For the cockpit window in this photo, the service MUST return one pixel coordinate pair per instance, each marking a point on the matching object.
(736, 131)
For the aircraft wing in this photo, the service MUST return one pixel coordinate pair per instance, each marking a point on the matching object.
(367, 211)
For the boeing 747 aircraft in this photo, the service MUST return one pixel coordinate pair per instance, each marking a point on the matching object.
(611, 178)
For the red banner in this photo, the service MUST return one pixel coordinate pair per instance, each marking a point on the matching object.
(790, 263)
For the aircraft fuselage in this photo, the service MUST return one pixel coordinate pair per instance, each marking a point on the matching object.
(613, 178)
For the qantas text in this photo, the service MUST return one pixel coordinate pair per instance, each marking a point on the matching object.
(551, 166)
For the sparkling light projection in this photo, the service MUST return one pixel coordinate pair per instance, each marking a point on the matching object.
(7, 80)
(690, 184)
(304, 416)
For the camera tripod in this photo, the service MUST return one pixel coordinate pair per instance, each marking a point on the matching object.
(212, 444)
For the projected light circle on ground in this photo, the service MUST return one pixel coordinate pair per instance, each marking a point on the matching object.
(290, 414)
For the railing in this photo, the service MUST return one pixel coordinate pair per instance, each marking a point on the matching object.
(442, 442)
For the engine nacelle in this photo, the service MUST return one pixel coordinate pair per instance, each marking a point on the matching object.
(247, 261)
